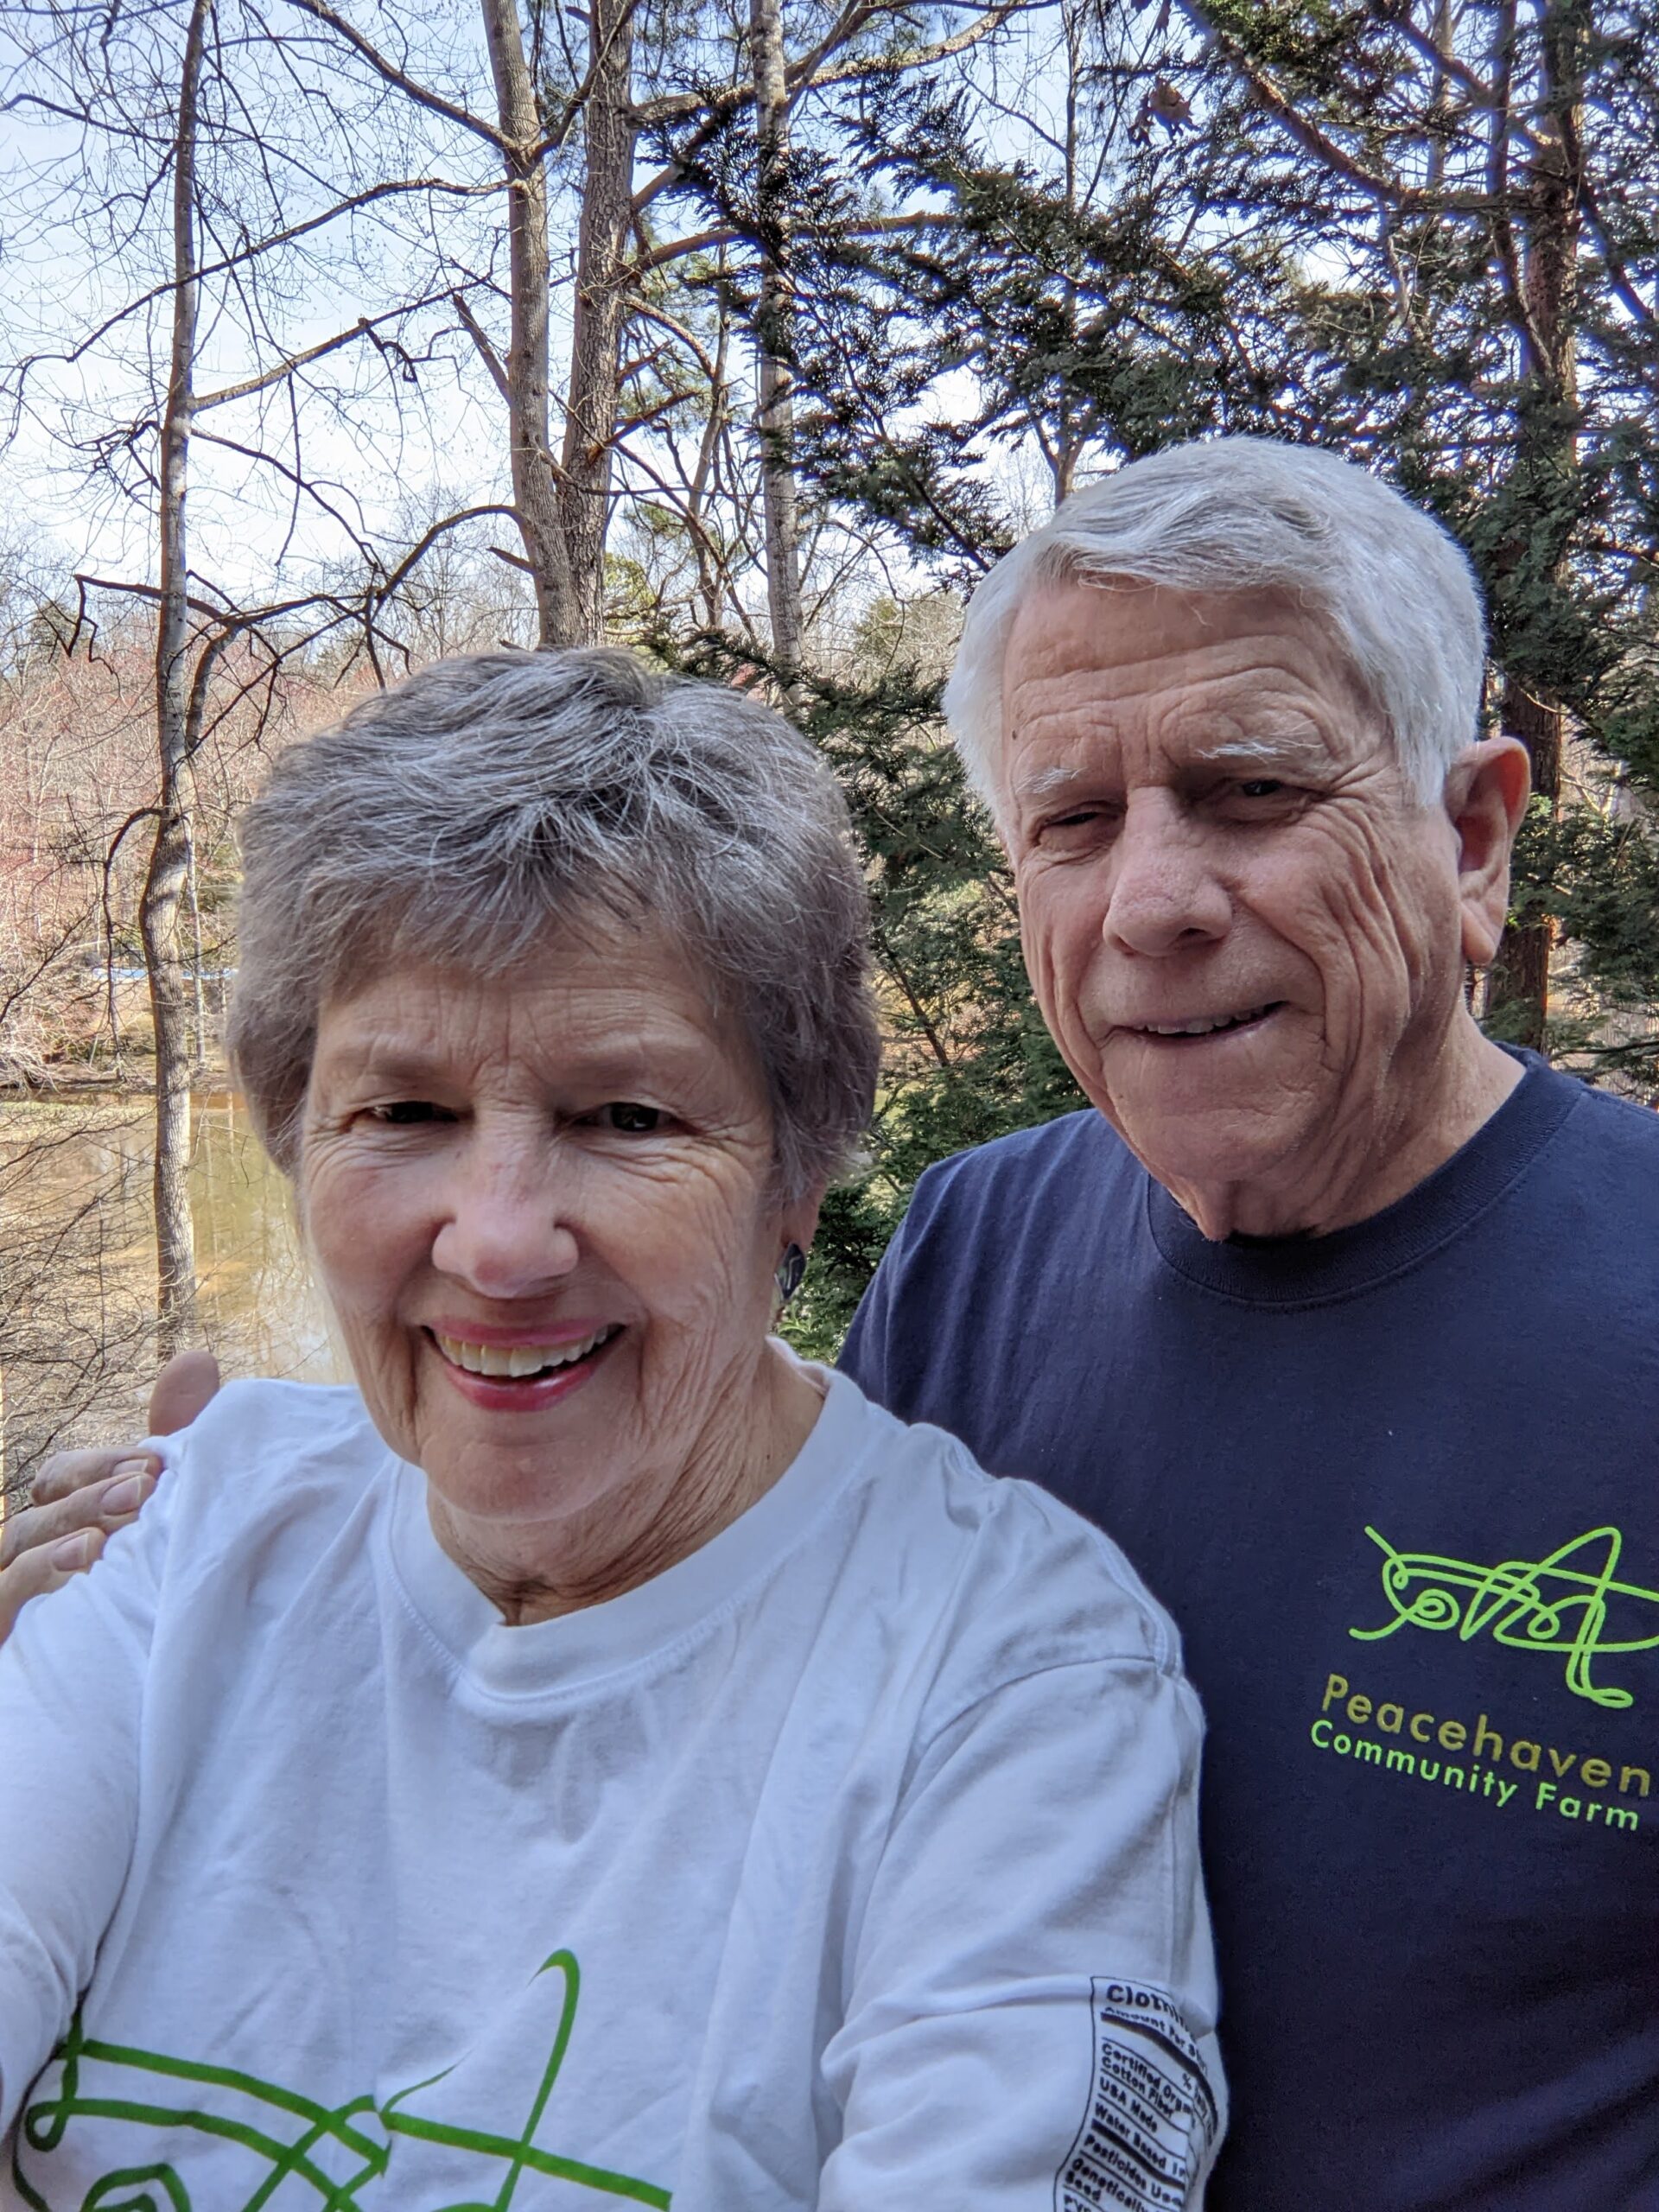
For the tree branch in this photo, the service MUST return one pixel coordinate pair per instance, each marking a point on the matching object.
(486, 352)
(1270, 95)
(364, 328)
(421, 94)
(262, 246)
(579, 99)
(700, 241)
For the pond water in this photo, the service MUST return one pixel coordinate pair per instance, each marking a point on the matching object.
(77, 1269)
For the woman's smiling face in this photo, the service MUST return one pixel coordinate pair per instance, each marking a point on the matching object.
(541, 1206)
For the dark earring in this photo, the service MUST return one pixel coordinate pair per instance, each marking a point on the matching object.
(790, 1268)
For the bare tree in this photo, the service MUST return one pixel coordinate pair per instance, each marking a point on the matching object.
(169, 860)
(135, 95)
(563, 472)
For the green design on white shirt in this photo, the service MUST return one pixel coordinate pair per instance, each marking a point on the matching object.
(351, 2127)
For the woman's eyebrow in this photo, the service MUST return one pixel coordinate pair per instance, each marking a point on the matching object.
(603, 1060)
(358, 1059)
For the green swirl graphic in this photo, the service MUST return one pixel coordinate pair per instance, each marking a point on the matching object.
(366, 2132)
(1567, 1603)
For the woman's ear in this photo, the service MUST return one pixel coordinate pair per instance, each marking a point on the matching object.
(797, 1227)
(789, 1272)
(799, 1223)
(1486, 792)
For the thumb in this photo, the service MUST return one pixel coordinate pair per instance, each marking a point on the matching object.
(182, 1389)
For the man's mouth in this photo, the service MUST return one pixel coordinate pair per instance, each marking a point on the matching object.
(1204, 1025)
(523, 1363)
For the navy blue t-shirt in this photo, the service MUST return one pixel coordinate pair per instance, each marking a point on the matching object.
(1399, 1488)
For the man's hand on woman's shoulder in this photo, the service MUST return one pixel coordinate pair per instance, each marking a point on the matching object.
(79, 1498)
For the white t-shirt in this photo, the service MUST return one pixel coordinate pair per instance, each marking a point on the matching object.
(851, 1864)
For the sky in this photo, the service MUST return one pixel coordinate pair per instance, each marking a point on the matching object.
(384, 453)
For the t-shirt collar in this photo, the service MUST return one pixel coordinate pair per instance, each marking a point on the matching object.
(1313, 1270)
(576, 1648)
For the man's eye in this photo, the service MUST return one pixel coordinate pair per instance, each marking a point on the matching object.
(1260, 787)
(629, 1119)
(407, 1113)
(1079, 819)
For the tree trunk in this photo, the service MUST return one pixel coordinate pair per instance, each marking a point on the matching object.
(195, 952)
(774, 336)
(164, 884)
(602, 280)
(1519, 977)
(534, 490)
(1545, 454)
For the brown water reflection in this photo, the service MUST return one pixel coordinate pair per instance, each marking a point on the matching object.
(78, 1268)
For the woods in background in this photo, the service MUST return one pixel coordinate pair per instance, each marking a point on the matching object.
(750, 336)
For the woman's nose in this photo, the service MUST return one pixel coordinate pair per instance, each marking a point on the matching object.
(508, 1227)
(1165, 896)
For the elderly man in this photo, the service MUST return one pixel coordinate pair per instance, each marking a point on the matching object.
(1343, 1319)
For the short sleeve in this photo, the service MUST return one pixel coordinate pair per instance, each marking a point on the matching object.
(1031, 2020)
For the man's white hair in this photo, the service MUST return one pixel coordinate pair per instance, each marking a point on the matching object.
(1254, 514)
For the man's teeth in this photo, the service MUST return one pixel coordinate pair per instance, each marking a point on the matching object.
(516, 1360)
(1203, 1027)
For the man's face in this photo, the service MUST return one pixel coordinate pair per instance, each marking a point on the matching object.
(1244, 933)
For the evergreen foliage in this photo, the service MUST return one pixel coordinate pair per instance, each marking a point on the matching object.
(966, 1056)
(1422, 234)
(1055, 237)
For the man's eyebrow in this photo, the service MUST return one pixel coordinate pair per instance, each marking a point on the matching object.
(1043, 781)
(1293, 750)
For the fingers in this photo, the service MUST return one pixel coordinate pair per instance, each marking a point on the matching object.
(184, 1386)
(66, 1472)
(99, 1507)
(45, 1568)
(48, 1543)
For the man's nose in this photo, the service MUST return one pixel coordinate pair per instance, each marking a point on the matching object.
(1166, 895)
(509, 1221)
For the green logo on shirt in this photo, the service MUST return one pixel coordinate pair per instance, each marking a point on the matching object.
(290, 2134)
(1570, 1603)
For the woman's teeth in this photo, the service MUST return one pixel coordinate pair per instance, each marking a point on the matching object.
(514, 1362)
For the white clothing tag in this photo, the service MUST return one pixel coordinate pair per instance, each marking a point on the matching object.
(1145, 2141)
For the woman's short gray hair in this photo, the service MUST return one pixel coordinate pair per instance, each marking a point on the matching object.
(1254, 514)
(459, 818)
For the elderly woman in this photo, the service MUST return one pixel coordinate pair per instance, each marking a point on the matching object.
(598, 1756)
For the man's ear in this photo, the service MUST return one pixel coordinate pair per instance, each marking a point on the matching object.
(1486, 792)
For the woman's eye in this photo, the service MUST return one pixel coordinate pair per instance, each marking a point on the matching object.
(407, 1113)
(629, 1119)
(1260, 787)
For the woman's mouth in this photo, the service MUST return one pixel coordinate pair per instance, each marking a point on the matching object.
(516, 1362)
(525, 1376)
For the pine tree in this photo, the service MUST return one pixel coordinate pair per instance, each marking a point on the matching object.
(1422, 232)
